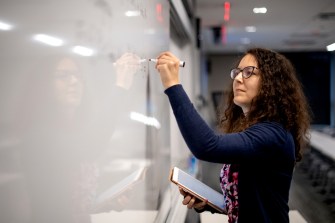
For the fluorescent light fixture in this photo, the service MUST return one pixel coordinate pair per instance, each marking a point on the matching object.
(132, 13)
(331, 47)
(83, 51)
(49, 40)
(250, 29)
(145, 119)
(5, 26)
(260, 10)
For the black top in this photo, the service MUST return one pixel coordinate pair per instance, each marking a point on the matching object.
(265, 153)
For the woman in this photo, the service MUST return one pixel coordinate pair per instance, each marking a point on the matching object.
(264, 129)
(65, 133)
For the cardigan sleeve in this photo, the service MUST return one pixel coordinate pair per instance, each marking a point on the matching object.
(259, 141)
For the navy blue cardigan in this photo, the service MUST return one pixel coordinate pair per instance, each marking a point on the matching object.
(265, 153)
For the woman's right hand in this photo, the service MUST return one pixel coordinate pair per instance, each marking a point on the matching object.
(168, 68)
(192, 202)
(126, 67)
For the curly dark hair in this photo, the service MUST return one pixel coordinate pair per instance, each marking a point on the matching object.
(280, 99)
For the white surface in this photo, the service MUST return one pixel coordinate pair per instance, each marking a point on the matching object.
(178, 210)
(295, 217)
(65, 121)
(207, 217)
(125, 217)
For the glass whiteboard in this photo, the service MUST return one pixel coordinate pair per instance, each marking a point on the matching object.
(82, 110)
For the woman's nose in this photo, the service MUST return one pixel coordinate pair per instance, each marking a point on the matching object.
(74, 79)
(239, 77)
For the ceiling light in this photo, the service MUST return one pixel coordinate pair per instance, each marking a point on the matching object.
(5, 26)
(151, 121)
(132, 13)
(331, 47)
(49, 40)
(250, 29)
(260, 10)
(83, 51)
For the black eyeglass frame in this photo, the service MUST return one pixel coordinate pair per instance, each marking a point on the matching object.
(234, 72)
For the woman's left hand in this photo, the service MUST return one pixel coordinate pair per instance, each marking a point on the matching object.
(168, 67)
(192, 202)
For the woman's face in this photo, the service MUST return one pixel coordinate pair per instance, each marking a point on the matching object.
(246, 89)
(68, 83)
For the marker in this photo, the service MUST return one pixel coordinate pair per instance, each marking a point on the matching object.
(181, 63)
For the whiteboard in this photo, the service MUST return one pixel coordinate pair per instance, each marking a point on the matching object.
(81, 107)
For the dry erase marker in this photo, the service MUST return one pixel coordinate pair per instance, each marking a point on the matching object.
(181, 63)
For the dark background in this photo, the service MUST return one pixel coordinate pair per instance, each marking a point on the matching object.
(313, 69)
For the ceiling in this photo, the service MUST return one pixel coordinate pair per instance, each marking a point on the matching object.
(299, 25)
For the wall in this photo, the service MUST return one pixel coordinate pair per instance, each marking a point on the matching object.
(332, 91)
(218, 68)
(182, 44)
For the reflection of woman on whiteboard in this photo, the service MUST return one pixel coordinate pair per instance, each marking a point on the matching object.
(62, 137)
(266, 125)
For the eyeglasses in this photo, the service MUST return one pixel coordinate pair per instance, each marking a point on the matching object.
(246, 72)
